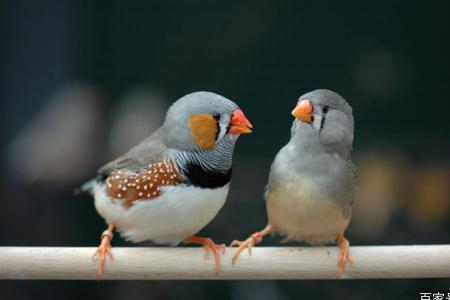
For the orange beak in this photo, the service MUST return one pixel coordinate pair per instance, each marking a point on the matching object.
(303, 111)
(239, 124)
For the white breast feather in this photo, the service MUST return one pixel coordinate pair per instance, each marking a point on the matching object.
(179, 212)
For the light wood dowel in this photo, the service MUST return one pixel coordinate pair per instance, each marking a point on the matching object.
(188, 263)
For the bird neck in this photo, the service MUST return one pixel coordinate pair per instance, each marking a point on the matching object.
(306, 140)
(207, 168)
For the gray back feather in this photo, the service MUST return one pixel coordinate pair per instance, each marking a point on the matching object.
(150, 150)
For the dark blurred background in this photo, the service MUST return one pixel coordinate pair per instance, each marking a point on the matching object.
(82, 81)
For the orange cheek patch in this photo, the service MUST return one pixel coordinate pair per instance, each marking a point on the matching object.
(204, 130)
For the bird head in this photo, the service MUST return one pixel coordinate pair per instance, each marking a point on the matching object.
(326, 116)
(202, 121)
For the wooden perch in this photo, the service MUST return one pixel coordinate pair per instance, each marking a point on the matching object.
(188, 263)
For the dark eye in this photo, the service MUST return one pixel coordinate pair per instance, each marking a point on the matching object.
(216, 117)
(325, 109)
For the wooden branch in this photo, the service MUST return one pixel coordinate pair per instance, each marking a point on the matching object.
(188, 263)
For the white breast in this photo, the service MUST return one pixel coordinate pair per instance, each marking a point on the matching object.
(179, 212)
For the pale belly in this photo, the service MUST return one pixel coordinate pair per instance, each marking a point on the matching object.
(296, 210)
(179, 212)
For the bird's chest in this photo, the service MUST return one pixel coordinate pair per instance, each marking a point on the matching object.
(298, 202)
(178, 212)
(299, 207)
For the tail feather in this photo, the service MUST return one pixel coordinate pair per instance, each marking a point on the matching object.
(87, 187)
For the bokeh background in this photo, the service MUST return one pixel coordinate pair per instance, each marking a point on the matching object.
(82, 81)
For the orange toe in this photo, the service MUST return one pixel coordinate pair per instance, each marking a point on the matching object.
(248, 244)
(104, 250)
(209, 246)
(344, 254)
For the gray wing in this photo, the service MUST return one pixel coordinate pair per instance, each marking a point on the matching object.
(150, 150)
(353, 193)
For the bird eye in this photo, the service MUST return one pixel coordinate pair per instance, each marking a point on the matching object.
(216, 117)
(325, 109)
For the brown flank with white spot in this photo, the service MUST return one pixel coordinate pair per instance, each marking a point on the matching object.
(144, 185)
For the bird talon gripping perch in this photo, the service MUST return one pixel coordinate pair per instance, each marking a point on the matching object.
(345, 254)
(249, 243)
(209, 246)
(104, 249)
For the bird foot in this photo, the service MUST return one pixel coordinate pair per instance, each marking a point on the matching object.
(209, 246)
(103, 250)
(248, 244)
(344, 254)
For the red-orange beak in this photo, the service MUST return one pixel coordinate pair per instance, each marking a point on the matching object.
(303, 111)
(239, 124)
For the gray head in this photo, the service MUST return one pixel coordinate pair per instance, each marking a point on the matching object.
(202, 121)
(326, 118)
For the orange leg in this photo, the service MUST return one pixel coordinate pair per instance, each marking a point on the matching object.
(104, 249)
(344, 254)
(249, 243)
(209, 246)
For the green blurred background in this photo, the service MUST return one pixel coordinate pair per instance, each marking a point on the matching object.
(82, 81)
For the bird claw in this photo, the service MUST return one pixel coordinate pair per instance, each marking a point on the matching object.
(209, 246)
(249, 243)
(235, 243)
(345, 255)
(223, 248)
(103, 250)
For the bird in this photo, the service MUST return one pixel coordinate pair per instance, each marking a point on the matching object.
(173, 183)
(312, 181)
